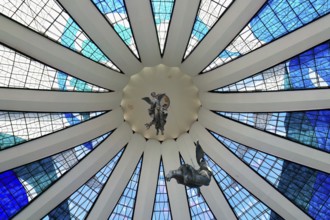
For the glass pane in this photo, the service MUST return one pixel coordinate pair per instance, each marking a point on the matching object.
(274, 20)
(48, 18)
(21, 185)
(115, 12)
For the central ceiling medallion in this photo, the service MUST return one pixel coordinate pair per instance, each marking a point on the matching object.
(160, 102)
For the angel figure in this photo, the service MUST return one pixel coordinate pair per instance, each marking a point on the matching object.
(159, 104)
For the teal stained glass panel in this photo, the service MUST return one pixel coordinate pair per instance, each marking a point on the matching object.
(116, 13)
(19, 127)
(162, 11)
(20, 71)
(51, 20)
(209, 12)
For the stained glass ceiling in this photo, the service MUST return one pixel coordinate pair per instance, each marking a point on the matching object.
(269, 152)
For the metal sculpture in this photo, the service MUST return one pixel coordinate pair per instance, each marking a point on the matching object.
(187, 175)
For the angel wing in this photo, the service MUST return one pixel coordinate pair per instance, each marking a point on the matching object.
(199, 153)
(148, 100)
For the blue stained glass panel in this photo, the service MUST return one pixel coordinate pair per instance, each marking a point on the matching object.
(275, 19)
(21, 185)
(198, 207)
(310, 128)
(125, 206)
(208, 14)
(162, 209)
(52, 21)
(116, 13)
(82, 200)
(307, 188)
(20, 71)
(243, 203)
(19, 127)
(162, 11)
(308, 70)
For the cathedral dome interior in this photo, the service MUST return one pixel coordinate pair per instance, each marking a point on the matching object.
(101, 99)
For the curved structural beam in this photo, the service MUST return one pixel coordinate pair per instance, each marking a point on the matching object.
(148, 181)
(182, 22)
(265, 142)
(59, 141)
(176, 193)
(101, 32)
(246, 177)
(55, 101)
(267, 101)
(77, 176)
(211, 193)
(223, 32)
(53, 54)
(265, 57)
(119, 178)
(145, 34)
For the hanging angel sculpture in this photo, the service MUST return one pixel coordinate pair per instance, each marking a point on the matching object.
(187, 175)
(159, 104)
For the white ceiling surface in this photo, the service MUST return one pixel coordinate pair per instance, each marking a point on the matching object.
(50, 53)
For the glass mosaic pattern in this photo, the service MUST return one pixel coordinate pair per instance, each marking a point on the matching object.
(78, 205)
(307, 188)
(21, 185)
(115, 12)
(162, 11)
(20, 71)
(243, 203)
(197, 204)
(48, 18)
(208, 14)
(310, 128)
(125, 206)
(310, 69)
(274, 20)
(19, 127)
(162, 209)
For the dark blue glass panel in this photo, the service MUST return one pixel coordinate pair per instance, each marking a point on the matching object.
(23, 184)
(12, 195)
(310, 69)
(81, 201)
(275, 19)
(310, 128)
(125, 206)
(243, 203)
(307, 188)
(162, 209)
